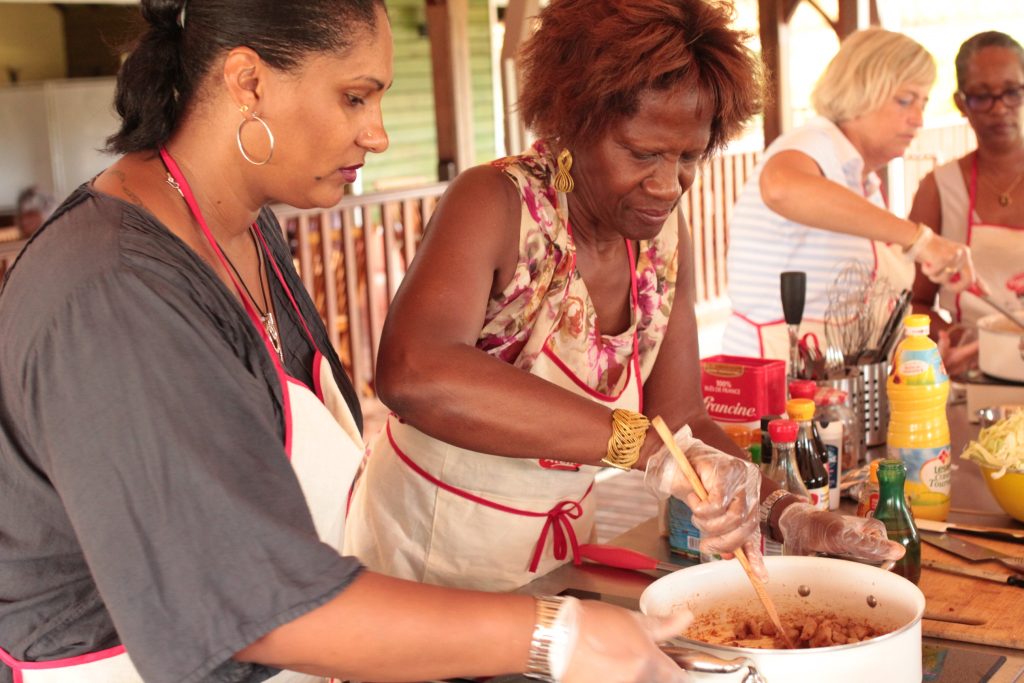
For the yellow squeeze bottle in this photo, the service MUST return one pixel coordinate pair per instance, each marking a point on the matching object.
(918, 434)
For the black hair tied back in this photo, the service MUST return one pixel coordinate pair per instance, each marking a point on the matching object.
(148, 95)
(183, 39)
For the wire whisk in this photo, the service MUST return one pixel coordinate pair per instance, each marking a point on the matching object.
(857, 303)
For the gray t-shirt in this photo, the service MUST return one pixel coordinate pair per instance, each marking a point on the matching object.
(145, 495)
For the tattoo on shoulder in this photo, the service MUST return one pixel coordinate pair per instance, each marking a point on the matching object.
(128, 192)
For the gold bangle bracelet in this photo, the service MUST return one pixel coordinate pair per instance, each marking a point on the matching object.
(629, 429)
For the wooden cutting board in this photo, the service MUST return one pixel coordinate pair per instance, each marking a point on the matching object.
(1000, 605)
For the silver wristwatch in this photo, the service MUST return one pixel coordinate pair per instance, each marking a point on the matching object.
(544, 632)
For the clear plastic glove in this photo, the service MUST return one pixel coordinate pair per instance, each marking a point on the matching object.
(729, 518)
(958, 355)
(614, 645)
(807, 530)
(944, 261)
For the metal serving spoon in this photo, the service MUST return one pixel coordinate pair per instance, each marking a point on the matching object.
(1012, 315)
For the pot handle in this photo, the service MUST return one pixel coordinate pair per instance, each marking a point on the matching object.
(701, 662)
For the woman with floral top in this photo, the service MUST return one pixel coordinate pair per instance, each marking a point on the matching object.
(550, 309)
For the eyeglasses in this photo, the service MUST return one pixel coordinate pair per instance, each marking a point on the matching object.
(982, 102)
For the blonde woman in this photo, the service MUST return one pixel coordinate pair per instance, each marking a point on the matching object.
(815, 200)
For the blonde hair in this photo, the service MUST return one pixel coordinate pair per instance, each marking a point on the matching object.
(868, 69)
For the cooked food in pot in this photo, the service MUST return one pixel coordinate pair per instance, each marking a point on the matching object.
(738, 627)
(1003, 324)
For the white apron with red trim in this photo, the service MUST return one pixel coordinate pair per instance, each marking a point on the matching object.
(324, 448)
(890, 263)
(432, 512)
(998, 255)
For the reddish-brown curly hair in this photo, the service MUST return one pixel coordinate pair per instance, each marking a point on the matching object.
(590, 60)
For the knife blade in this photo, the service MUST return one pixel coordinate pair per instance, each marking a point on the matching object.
(995, 532)
(970, 551)
(1008, 579)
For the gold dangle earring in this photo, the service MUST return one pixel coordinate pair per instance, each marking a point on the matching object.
(562, 180)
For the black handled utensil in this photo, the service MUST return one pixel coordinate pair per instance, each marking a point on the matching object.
(890, 332)
(997, 533)
(1008, 579)
(793, 287)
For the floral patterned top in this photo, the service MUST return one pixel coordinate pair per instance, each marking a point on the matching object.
(547, 300)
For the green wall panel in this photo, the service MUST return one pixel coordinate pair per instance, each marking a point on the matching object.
(409, 105)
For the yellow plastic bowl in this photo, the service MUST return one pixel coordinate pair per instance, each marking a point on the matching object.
(1008, 490)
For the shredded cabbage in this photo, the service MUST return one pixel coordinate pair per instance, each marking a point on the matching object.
(1000, 446)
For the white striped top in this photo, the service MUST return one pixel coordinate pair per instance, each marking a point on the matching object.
(763, 244)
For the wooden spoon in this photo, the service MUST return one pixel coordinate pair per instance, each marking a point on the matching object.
(762, 593)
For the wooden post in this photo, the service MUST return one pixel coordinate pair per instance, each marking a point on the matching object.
(447, 25)
(774, 18)
(518, 16)
(855, 15)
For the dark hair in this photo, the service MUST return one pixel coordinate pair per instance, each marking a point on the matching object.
(588, 63)
(32, 199)
(972, 45)
(167, 64)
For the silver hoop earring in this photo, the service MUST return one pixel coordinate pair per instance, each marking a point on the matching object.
(241, 147)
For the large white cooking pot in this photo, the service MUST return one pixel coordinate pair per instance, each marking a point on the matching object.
(999, 348)
(850, 589)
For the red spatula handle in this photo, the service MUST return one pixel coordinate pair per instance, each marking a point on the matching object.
(614, 556)
(624, 558)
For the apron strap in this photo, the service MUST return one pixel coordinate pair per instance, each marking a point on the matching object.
(557, 518)
(972, 201)
(17, 666)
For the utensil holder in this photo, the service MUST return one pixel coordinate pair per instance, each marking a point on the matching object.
(874, 403)
(865, 392)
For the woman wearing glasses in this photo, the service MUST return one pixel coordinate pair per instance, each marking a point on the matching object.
(979, 198)
(815, 201)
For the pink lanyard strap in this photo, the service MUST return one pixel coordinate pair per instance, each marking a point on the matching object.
(558, 517)
(193, 205)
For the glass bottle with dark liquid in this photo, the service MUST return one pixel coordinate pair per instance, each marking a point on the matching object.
(893, 511)
(809, 452)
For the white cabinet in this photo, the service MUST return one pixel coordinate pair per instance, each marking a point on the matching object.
(52, 134)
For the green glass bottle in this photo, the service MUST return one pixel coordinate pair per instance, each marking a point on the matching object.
(893, 511)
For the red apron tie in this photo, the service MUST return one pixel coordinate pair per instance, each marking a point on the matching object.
(561, 527)
(557, 517)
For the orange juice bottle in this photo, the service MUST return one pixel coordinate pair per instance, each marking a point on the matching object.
(918, 434)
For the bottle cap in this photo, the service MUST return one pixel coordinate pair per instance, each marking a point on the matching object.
(918, 323)
(783, 431)
(833, 397)
(800, 409)
(739, 434)
(873, 471)
(803, 388)
(765, 419)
